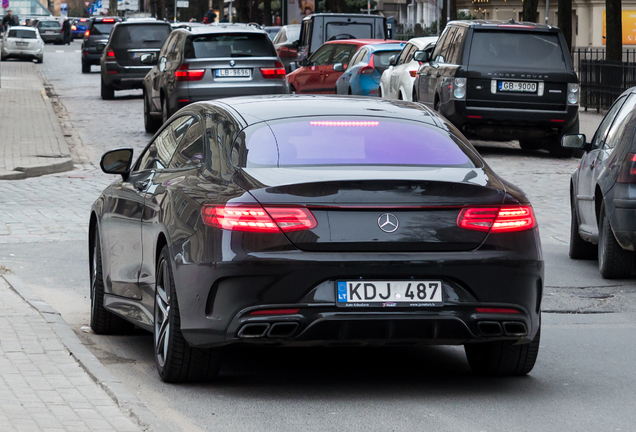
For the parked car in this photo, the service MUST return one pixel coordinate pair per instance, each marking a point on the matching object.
(319, 73)
(314, 220)
(95, 39)
(271, 31)
(397, 80)
(209, 62)
(365, 69)
(285, 43)
(50, 30)
(316, 29)
(603, 191)
(79, 27)
(503, 80)
(129, 41)
(22, 42)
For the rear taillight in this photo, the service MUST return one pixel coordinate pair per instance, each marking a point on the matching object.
(253, 218)
(87, 33)
(108, 20)
(287, 52)
(277, 72)
(495, 219)
(413, 73)
(367, 70)
(627, 173)
(73, 28)
(184, 73)
(110, 54)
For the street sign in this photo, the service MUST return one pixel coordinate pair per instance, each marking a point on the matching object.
(5, 4)
(87, 4)
(130, 5)
(183, 3)
(63, 8)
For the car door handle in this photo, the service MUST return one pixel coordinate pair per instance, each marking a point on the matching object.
(142, 185)
(592, 165)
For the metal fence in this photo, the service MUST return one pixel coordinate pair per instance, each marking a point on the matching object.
(602, 81)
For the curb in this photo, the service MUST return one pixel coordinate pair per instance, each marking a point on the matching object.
(124, 398)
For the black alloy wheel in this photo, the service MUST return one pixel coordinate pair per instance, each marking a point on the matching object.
(102, 321)
(614, 262)
(151, 124)
(108, 91)
(176, 360)
(555, 149)
(503, 358)
(579, 248)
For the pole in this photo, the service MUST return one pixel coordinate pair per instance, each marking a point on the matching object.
(368, 7)
(175, 10)
(447, 11)
(230, 14)
(547, 8)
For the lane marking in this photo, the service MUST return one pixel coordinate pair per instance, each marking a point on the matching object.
(59, 51)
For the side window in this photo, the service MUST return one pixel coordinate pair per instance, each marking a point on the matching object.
(619, 126)
(321, 57)
(440, 43)
(159, 153)
(599, 137)
(357, 58)
(411, 53)
(190, 151)
(442, 55)
(405, 52)
(343, 53)
(166, 45)
(214, 143)
(455, 46)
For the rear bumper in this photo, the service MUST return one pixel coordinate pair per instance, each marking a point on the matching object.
(508, 123)
(216, 91)
(216, 299)
(22, 53)
(124, 77)
(52, 38)
(92, 56)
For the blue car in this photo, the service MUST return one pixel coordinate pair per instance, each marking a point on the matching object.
(79, 27)
(363, 74)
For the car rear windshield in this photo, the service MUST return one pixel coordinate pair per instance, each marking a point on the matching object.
(49, 24)
(22, 34)
(513, 49)
(350, 141)
(229, 45)
(345, 30)
(102, 28)
(293, 33)
(381, 59)
(144, 35)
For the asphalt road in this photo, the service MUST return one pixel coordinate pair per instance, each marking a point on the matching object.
(583, 379)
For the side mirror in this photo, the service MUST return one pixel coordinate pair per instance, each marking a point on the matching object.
(148, 59)
(100, 47)
(117, 161)
(303, 62)
(421, 56)
(338, 67)
(573, 141)
(392, 60)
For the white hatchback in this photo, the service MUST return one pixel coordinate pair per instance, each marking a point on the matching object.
(397, 80)
(22, 42)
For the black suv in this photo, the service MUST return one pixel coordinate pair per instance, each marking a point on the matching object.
(503, 80)
(122, 68)
(316, 29)
(95, 39)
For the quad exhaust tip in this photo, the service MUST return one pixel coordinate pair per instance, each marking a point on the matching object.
(253, 330)
(507, 328)
(283, 330)
(276, 330)
(514, 328)
(490, 328)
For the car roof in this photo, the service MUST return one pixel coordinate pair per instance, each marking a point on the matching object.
(143, 21)
(505, 25)
(24, 28)
(345, 15)
(385, 46)
(224, 28)
(361, 42)
(254, 109)
(422, 42)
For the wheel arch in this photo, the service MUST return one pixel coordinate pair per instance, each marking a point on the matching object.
(162, 240)
(598, 203)
(92, 228)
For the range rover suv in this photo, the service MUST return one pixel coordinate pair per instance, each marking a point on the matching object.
(95, 39)
(503, 80)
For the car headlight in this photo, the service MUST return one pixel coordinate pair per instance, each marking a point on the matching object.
(459, 88)
(573, 94)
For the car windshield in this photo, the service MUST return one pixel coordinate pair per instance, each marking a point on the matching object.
(516, 49)
(272, 32)
(345, 30)
(22, 34)
(381, 59)
(293, 33)
(102, 28)
(229, 45)
(146, 35)
(351, 141)
(49, 24)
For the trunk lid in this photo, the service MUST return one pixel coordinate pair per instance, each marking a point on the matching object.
(352, 208)
(130, 42)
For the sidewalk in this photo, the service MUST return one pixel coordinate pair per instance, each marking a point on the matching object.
(31, 140)
(42, 387)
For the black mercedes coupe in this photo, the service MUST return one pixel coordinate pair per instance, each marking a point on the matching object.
(314, 220)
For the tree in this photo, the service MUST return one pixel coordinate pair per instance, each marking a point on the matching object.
(530, 9)
(565, 20)
(613, 30)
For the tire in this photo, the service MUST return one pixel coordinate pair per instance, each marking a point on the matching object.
(292, 90)
(614, 262)
(579, 248)
(176, 360)
(380, 92)
(503, 358)
(414, 96)
(86, 67)
(102, 321)
(350, 93)
(151, 124)
(530, 144)
(108, 91)
(436, 105)
(40, 60)
(555, 149)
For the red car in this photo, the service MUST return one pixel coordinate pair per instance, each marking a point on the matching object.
(319, 73)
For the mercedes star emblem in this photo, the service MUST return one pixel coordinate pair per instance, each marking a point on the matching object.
(388, 222)
(232, 62)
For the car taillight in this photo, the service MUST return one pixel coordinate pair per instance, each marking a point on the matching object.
(287, 52)
(108, 20)
(184, 73)
(367, 70)
(496, 220)
(627, 173)
(87, 33)
(277, 72)
(110, 53)
(253, 218)
(73, 28)
(413, 73)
